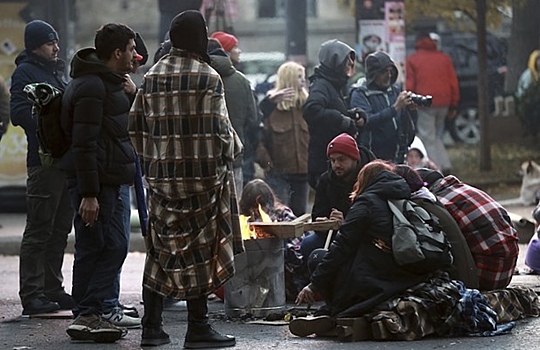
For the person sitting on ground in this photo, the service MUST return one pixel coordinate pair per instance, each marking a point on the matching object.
(485, 224)
(359, 270)
(335, 185)
(258, 195)
(463, 266)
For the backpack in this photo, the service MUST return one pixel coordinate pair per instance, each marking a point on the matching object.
(47, 99)
(418, 243)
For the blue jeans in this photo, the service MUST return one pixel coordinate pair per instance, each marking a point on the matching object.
(48, 223)
(100, 250)
(292, 190)
(113, 301)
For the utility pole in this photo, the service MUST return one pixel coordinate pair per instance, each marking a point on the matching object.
(296, 17)
(485, 154)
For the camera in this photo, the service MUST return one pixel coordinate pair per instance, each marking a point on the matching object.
(422, 100)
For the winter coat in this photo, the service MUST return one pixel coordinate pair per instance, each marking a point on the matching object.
(32, 69)
(359, 271)
(187, 144)
(95, 116)
(325, 110)
(285, 140)
(334, 192)
(239, 98)
(431, 72)
(387, 133)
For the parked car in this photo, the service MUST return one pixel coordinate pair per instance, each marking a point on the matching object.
(260, 68)
(462, 49)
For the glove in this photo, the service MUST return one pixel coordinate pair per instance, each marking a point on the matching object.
(357, 113)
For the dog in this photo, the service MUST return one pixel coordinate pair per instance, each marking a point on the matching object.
(529, 192)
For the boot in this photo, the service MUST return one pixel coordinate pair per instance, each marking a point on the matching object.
(152, 333)
(200, 334)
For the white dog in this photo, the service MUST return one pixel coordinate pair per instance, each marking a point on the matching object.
(530, 185)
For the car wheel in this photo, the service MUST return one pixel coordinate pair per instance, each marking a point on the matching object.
(467, 125)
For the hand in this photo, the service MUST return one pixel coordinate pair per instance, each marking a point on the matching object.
(306, 295)
(403, 100)
(336, 215)
(452, 113)
(286, 94)
(358, 116)
(129, 86)
(89, 210)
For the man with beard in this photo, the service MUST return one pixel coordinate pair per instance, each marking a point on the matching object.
(49, 214)
(391, 113)
(335, 185)
(100, 160)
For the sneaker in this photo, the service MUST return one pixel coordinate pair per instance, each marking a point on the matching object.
(93, 327)
(118, 318)
(63, 299)
(40, 305)
(304, 326)
(130, 310)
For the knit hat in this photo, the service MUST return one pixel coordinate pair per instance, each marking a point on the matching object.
(344, 144)
(412, 177)
(429, 176)
(37, 33)
(188, 32)
(228, 41)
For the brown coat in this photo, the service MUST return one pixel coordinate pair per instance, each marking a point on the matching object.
(284, 148)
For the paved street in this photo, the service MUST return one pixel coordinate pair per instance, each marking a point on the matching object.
(17, 333)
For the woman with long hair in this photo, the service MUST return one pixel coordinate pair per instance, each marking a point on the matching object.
(359, 271)
(283, 151)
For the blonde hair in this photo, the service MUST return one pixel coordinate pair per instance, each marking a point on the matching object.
(287, 77)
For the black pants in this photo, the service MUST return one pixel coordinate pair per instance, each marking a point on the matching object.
(48, 222)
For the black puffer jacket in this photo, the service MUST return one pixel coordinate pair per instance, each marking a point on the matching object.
(32, 69)
(356, 275)
(95, 114)
(325, 110)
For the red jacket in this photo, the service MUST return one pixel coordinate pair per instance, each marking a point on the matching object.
(431, 72)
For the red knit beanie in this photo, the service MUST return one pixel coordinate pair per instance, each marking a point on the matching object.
(228, 41)
(344, 144)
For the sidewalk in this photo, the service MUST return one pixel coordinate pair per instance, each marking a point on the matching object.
(13, 227)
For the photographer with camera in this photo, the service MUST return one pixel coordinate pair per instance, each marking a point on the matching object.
(390, 112)
(430, 71)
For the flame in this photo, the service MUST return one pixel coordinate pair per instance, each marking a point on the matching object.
(248, 231)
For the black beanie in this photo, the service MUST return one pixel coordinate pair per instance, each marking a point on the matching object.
(188, 32)
(429, 176)
(37, 33)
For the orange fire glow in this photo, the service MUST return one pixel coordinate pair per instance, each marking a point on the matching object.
(249, 231)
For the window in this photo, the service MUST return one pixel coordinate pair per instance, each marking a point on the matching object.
(277, 8)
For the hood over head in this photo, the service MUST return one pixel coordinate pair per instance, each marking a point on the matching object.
(333, 55)
(376, 63)
(188, 32)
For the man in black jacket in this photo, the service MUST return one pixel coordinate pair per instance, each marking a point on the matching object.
(335, 185)
(95, 111)
(49, 213)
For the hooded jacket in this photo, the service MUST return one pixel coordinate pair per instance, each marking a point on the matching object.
(359, 271)
(95, 115)
(529, 75)
(431, 72)
(238, 96)
(32, 69)
(325, 110)
(388, 132)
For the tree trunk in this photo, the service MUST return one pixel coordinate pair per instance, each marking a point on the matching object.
(483, 110)
(524, 38)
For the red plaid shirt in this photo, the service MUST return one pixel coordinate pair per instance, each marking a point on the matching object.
(487, 227)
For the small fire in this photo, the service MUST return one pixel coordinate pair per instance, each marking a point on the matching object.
(249, 231)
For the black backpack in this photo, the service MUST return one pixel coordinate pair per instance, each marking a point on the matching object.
(418, 242)
(53, 142)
